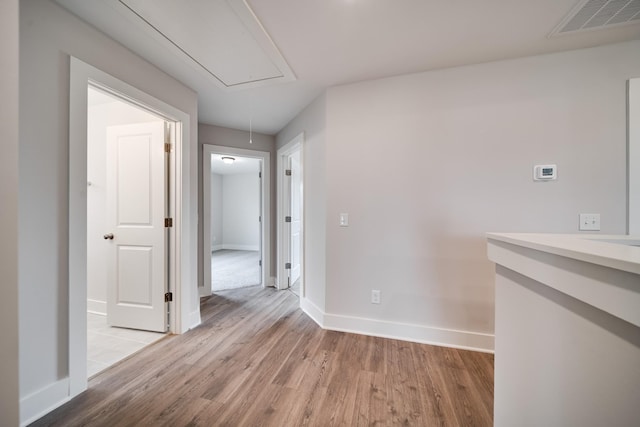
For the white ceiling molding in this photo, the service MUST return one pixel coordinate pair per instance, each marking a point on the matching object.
(224, 38)
(590, 15)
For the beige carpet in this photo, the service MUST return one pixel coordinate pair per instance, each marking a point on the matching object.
(234, 269)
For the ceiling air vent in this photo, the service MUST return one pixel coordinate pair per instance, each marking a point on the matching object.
(596, 14)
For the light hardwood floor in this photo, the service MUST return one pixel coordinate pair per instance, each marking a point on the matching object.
(257, 360)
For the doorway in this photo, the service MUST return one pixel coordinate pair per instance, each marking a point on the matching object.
(239, 191)
(125, 285)
(236, 259)
(180, 236)
(291, 217)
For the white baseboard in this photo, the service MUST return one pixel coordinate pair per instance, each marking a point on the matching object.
(240, 247)
(43, 401)
(217, 248)
(202, 292)
(464, 340)
(271, 282)
(194, 319)
(313, 311)
(97, 307)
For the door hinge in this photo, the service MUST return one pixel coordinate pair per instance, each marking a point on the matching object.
(260, 218)
(168, 297)
(287, 172)
(168, 222)
(287, 219)
(260, 263)
(167, 147)
(287, 266)
(259, 174)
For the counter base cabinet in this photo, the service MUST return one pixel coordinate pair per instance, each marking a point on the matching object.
(560, 361)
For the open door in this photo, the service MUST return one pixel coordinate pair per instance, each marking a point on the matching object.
(286, 242)
(291, 216)
(296, 188)
(260, 209)
(136, 207)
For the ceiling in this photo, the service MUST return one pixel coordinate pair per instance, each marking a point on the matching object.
(241, 165)
(264, 60)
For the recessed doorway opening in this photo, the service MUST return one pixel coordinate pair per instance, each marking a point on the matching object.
(119, 143)
(168, 220)
(235, 251)
(236, 238)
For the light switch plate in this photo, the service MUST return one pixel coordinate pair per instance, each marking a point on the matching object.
(589, 222)
(344, 220)
(375, 296)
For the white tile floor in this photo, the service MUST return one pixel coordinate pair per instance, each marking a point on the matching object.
(107, 345)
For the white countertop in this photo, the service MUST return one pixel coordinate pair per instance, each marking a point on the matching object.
(606, 250)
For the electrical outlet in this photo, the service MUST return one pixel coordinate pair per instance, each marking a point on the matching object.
(589, 222)
(375, 297)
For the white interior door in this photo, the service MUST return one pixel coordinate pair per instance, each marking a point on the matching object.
(296, 187)
(260, 206)
(136, 207)
(286, 221)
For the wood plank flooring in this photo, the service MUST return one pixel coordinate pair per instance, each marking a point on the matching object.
(258, 360)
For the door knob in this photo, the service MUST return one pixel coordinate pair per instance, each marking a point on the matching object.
(108, 236)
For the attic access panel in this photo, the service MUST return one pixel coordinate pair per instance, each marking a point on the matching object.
(223, 37)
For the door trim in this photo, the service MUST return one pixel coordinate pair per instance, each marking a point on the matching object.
(296, 144)
(207, 151)
(81, 76)
(633, 156)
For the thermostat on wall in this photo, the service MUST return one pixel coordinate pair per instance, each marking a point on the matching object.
(544, 172)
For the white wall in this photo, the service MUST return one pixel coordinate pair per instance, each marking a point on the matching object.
(9, 54)
(312, 121)
(99, 118)
(216, 212)
(426, 163)
(48, 35)
(241, 211)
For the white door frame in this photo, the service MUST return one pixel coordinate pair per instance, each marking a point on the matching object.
(81, 76)
(284, 233)
(633, 156)
(207, 151)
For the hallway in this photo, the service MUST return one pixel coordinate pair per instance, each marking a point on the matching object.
(257, 359)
